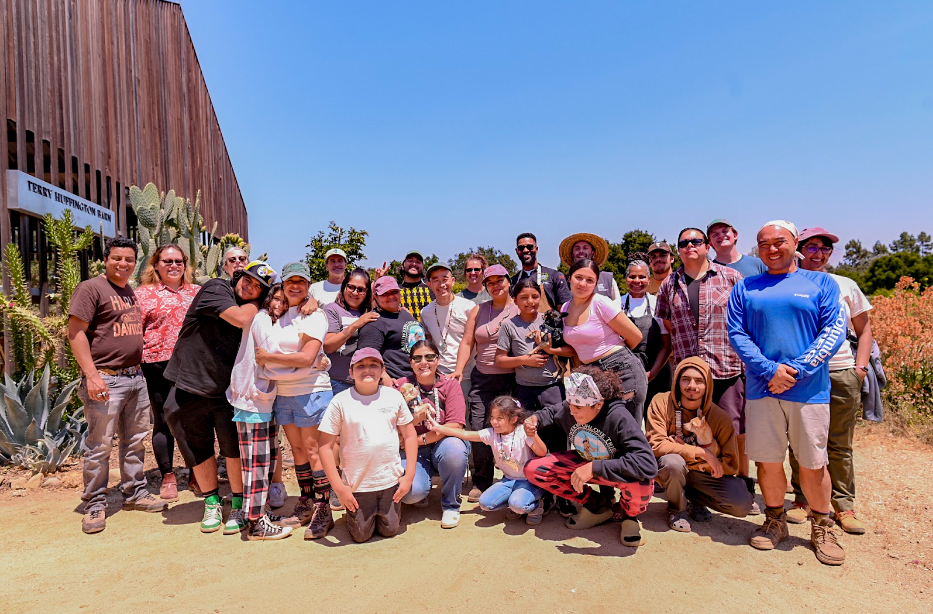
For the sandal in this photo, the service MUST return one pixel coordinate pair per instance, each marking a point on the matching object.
(631, 533)
(585, 519)
(678, 522)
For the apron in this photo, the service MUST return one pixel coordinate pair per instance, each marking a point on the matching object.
(651, 344)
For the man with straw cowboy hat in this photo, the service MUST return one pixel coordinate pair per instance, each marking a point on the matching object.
(586, 245)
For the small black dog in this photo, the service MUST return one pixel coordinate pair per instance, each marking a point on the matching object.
(552, 329)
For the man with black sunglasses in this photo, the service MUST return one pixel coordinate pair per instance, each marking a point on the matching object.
(693, 303)
(234, 259)
(553, 283)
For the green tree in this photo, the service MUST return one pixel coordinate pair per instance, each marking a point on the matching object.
(905, 243)
(879, 249)
(885, 271)
(925, 243)
(491, 254)
(634, 244)
(395, 267)
(857, 258)
(351, 241)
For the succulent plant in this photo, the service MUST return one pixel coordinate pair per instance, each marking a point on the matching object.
(34, 433)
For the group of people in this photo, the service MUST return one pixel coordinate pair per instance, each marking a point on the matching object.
(586, 399)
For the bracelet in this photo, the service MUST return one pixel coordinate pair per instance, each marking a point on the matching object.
(862, 367)
(424, 438)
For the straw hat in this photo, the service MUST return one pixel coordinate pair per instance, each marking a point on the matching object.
(599, 245)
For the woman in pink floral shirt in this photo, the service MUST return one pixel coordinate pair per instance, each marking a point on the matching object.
(164, 297)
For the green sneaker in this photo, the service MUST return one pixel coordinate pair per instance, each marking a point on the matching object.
(236, 523)
(213, 517)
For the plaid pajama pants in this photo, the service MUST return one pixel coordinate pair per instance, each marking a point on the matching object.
(258, 451)
(552, 473)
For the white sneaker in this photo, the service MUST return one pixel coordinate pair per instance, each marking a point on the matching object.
(450, 519)
(277, 495)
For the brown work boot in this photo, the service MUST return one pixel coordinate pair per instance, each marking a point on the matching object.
(322, 522)
(771, 533)
(474, 495)
(304, 510)
(798, 513)
(850, 523)
(826, 542)
(94, 521)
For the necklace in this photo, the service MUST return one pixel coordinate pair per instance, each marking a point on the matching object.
(497, 320)
(437, 404)
(446, 327)
(508, 455)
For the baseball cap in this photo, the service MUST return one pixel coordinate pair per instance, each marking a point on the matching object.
(296, 269)
(261, 272)
(660, 246)
(414, 253)
(436, 266)
(335, 251)
(363, 353)
(496, 269)
(384, 284)
(719, 222)
(816, 231)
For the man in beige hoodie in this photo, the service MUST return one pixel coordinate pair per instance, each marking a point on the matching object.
(692, 473)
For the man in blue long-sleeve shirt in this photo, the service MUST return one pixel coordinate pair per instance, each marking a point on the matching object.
(785, 324)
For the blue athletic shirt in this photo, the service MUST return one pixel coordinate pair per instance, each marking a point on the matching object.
(794, 319)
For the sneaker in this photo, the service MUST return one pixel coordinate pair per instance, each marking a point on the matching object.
(700, 513)
(630, 535)
(511, 515)
(236, 523)
(536, 515)
(798, 513)
(146, 503)
(277, 495)
(585, 519)
(213, 517)
(169, 488)
(304, 510)
(772, 532)
(826, 543)
(266, 529)
(474, 495)
(450, 519)
(335, 503)
(94, 521)
(678, 522)
(321, 522)
(850, 523)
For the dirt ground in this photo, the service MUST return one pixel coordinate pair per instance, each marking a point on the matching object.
(162, 563)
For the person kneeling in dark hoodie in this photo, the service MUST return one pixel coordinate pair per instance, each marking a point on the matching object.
(606, 448)
(697, 449)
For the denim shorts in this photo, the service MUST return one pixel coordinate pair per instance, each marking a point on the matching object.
(304, 410)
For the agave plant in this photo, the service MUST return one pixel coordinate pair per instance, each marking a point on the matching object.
(33, 433)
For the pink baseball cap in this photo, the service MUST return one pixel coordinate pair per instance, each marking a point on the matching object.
(384, 284)
(363, 353)
(496, 269)
(817, 231)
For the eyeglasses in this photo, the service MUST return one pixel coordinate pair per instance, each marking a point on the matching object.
(357, 289)
(232, 259)
(816, 248)
(472, 270)
(172, 262)
(424, 357)
(525, 248)
(685, 242)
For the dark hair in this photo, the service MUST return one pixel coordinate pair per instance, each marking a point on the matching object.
(823, 238)
(120, 242)
(151, 276)
(367, 303)
(267, 302)
(608, 383)
(526, 235)
(475, 256)
(238, 275)
(583, 263)
(525, 282)
(681, 233)
(423, 343)
(510, 407)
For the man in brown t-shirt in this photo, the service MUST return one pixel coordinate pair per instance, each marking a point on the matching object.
(106, 336)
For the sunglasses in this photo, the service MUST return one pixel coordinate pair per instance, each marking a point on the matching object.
(816, 248)
(171, 262)
(472, 270)
(525, 248)
(424, 357)
(357, 289)
(237, 259)
(685, 242)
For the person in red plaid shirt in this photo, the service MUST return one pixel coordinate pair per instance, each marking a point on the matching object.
(693, 302)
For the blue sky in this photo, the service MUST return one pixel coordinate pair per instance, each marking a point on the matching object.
(439, 125)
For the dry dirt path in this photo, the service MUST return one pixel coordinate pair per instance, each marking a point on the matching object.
(161, 563)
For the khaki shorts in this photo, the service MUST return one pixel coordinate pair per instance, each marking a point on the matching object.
(770, 424)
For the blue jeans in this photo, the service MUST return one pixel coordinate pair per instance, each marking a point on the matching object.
(446, 458)
(520, 495)
(337, 386)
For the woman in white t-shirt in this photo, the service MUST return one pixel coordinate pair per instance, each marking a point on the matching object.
(291, 356)
(655, 346)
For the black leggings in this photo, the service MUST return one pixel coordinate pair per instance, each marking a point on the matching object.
(163, 443)
(484, 388)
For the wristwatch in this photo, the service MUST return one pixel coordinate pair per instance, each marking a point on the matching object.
(862, 368)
